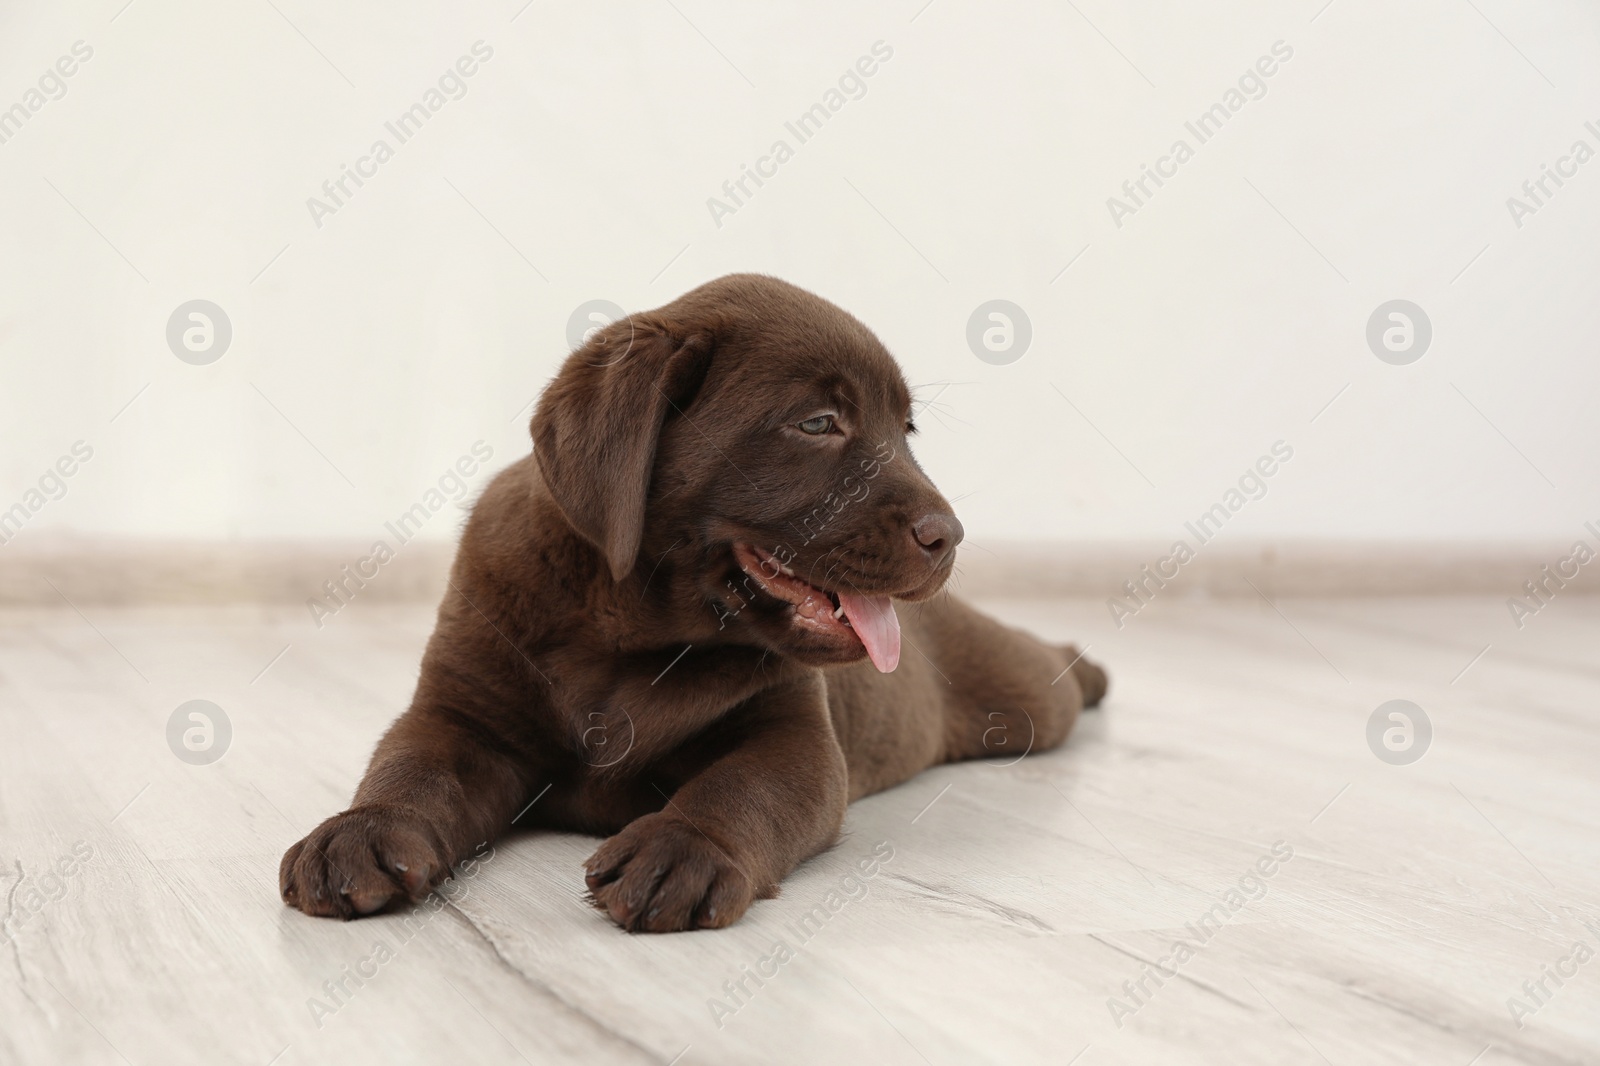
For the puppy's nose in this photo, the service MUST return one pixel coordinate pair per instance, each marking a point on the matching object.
(938, 534)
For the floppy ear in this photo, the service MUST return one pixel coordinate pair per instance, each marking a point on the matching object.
(596, 426)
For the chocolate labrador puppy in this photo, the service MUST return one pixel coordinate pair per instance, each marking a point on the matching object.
(675, 625)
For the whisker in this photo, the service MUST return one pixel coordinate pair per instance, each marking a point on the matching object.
(819, 561)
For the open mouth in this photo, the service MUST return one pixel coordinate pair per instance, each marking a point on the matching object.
(870, 619)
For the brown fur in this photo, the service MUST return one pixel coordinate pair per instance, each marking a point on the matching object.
(558, 670)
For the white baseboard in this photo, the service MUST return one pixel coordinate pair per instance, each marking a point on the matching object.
(1286, 568)
(174, 572)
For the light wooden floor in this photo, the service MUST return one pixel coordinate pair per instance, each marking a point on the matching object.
(1019, 898)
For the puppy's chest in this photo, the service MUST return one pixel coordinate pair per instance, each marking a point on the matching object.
(607, 701)
(631, 734)
(674, 688)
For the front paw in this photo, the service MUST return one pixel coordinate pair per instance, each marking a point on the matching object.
(662, 875)
(360, 861)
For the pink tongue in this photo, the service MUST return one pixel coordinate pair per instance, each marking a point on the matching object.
(873, 619)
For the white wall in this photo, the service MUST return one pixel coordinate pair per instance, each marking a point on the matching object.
(1205, 328)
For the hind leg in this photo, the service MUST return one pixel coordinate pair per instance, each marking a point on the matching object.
(1008, 692)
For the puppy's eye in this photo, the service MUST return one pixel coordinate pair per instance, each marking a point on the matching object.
(816, 426)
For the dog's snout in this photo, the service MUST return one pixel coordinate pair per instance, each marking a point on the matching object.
(937, 534)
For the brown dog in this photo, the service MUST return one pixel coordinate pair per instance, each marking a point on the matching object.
(658, 627)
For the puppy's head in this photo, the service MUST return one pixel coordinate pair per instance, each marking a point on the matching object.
(745, 446)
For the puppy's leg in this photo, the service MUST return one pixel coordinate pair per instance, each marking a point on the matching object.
(737, 827)
(432, 793)
(1009, 692)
